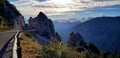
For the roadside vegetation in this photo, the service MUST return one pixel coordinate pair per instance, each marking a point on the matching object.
(32, 49)
(7, 14)
(2, 24)
(29, 46)
(60, 50)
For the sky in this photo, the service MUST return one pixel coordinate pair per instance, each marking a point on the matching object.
(67, 10)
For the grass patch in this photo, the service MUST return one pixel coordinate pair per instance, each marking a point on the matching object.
(29, 46)
(28, 34)
(31, 49)
(60, 50)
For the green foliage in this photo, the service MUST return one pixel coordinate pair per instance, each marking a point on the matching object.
(1, 18)
(28, 34)
(113, 56)
(15, 10)
(60, 50)
(2, 24)
(54, 50)
(11, 9)
(3, 2)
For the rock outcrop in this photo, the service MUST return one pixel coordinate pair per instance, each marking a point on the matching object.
(43, 26)
(19, 23)
(76, 40)
(11, 15)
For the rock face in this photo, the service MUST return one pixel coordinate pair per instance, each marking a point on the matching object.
(19, 23)
(43, 25)
(11, 15)
(76, 40)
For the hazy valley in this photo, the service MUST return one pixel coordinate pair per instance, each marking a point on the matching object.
(45, 37)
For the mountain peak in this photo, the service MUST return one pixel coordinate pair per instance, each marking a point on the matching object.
(42, 15)
(46, 26)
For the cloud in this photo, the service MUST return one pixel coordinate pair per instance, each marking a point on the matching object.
(57, 7)
(106, 0)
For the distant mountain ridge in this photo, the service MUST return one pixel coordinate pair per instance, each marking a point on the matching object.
(104, 32)
(72, 20)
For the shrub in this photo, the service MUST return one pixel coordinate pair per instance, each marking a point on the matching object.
(2, 23)
(59, 50)
(28, 34)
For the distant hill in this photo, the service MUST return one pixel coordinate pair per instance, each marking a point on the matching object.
(104, 32)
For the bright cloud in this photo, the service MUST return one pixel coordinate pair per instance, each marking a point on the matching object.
(59, 7)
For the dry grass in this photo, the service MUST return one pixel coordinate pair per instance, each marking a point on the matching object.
(60, 50)
(29, 46)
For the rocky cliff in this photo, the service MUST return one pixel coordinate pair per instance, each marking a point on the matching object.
(43, 26)
(11, 15)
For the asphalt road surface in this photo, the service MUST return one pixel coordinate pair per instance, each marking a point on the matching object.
(6, 43)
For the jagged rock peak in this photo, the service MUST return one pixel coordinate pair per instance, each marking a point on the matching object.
(58, 37)
(30, 18)
(74, 39)
(43, 25)
(41, 15)
(45, 29)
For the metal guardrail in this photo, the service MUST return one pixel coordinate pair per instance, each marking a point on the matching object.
(15, 45)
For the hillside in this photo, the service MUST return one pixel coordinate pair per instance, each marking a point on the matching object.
(10, 17)
(104, 32)
(29, 46)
